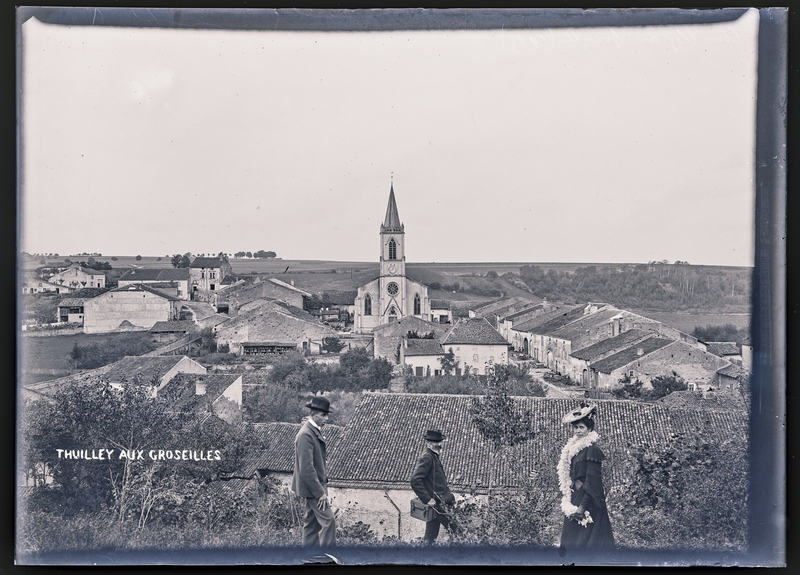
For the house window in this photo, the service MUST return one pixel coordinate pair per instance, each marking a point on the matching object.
(212, 275)
(392, 249)
(437, 372)
(416, 304)
(419, 371)
(202, 274)
(367, 305)
(212, 287)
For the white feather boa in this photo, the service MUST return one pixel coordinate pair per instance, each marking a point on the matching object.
(573, 447)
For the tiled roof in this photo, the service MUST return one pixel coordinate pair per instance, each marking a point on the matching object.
(381, 443)
(722, 348)
(440, 304)
(523, 311)
(182, 389)
(140, 274)
(580, 325)
(73, 301)
(730, 370)
(529, 325)
(498, 304)
(283, 284)
(172, 326)
(156, 274)
(630, 354)
(563, 318)
(144, 287)
(701, 400)
(474, 331)
(460, 308)
(147, 367)
(423, 347)
(214, 262)
(275, 451)
(602, 347)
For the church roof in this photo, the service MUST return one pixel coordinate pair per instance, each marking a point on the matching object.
(392, 220)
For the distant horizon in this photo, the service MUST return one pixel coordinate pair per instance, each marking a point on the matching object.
(408, 263)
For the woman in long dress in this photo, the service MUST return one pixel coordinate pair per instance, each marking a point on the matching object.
(580, 478)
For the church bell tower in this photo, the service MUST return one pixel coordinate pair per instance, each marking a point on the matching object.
(392, 282)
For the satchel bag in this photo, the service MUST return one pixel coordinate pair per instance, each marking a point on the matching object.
(421, 511)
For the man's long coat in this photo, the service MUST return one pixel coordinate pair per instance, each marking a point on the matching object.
(310, 477)
(429, 478)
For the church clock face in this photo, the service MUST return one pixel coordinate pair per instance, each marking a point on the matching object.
(392, 269)
(392, 288)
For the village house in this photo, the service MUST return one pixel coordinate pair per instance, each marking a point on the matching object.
(388, 338)
(729, 377)
(725, 349)
(76, 277)
(138, 306)
(703, 399)
(154, 370)
(344, 301)
(505, 324)
(440, 311)
(206, 275)
(31, 284)
(392, 295)
(496, 309)
(70, 310)
(477, 346)
(271, 326)
(166, 331)
(148, 369)
(234, 298)
(174, 281)
(653, 357)
(422, 356)
(208, 394)
(581, 359)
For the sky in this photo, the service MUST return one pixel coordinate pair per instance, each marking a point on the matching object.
(564, 145)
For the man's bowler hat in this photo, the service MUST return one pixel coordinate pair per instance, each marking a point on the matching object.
(320, 404)
(433, 435)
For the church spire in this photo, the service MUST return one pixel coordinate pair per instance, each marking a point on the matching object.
(392, 220)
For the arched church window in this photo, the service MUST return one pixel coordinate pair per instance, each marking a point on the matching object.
(416, 304)
(367, 305)
(392, 314)
(392, 249)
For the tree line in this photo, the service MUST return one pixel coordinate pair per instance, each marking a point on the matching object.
(655, 286)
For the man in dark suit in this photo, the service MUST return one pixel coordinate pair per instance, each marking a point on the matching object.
(310, 479)
(430, 485)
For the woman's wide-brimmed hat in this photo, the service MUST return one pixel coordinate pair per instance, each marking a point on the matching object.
(579, 413)
(320, 404)
(433, 435)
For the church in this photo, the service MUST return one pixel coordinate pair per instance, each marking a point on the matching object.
(392, 296)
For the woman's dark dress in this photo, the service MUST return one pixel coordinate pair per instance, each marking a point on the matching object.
(587, 492)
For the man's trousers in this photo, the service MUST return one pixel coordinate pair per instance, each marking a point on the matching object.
(319, 526)
(432, 527)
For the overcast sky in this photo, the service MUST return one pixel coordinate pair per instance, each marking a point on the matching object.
(573, 145)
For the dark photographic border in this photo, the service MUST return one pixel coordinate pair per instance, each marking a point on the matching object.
(767, 502)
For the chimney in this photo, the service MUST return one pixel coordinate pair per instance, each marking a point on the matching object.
(292, 282)
(640, 351)
(544, 304)
(199, 387)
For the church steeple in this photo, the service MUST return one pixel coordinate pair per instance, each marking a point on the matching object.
(391, 223)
